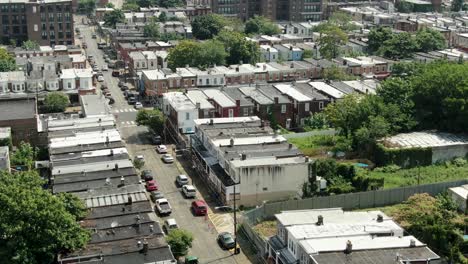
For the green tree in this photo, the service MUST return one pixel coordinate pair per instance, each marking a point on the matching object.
(73, 205)
(457, 5)
(330, 41)
(36, 226)
(151, 30)
(439, 95)
(207, 26)
(399, 46)
(238, 48)
(210, 53)
(131, 6)
(153, 119)
(169, 3)
(262, 26)
(307, 54)
(30, 45)
(114, 17)
(407, 69)
(343, 21)
(162, 17)
(110, 5)
(377, 36)
(397, 91)
(404, 7)
(7, 62)
(316, 121)
(180, 241)
(429, 39)
(55, 102)
(336, 73)
(197, 54)
(24, 155)
(86, 7)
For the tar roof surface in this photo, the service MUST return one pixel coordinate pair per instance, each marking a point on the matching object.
(379, 256)
(83, 148)
(261, 150)
(309, 91)
(235, 94)
(118, 221)
(120, 210)
(17, 109)
(271, 92)
(91, 184)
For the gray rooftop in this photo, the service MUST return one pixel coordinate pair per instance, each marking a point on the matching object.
(235, 94)
(17, 109)
(118, 221)
(83, 186)
(110, 195)
(271, 92)
(282, 149)
(309, 91)
(257, 96)
(120, 210)
(90, 147)
(380, 256)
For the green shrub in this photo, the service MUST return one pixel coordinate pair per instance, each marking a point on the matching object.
(389, 169)
(405, 157)
(459, 162)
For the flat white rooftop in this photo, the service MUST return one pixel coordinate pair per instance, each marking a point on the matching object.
(330, 216)
(179, 101)
(85, 138)
(92, 167)
(328, 230)
(267, 161)
(227, 120)
(219, 97)
(425, 139)
(197, 96)
(327, 89)
(249, 140)
(293, 93)
(315, 246)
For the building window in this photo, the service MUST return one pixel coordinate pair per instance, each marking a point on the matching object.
(246, 111)
(320, 105)
(52, 34)
(306, 107)
(221, 81)
(51, 17)
(59, 17)
(69, 85)
(44, 34)
(231, 112)
(207, 81)
(283, 109)
(187, 116)
(215, 81)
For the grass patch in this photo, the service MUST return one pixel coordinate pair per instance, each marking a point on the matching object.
(266, 228)
(428, 174)
(314, 145)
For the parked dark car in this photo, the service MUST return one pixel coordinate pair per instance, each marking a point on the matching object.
(155, 195)
(226, 240)
(147, 175)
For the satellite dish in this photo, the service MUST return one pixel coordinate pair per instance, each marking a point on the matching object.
(114, 224)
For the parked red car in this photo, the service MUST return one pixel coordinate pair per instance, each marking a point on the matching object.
(151, 186)
(199, 207)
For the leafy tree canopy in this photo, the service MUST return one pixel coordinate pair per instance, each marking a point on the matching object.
(180, 241)
(262, 26)
(55, 102)
(197, 54)
(207, 26)
(7, 62)
(331, 39)
(399, 46)
(238, 49)
(114, 17)
(429, 40)
(377, 37)
(110, 5)
(30, 45)
(37, 224)
(153, 119)
(24, 155)
(335, 73)
(151, 30)
(86, 7)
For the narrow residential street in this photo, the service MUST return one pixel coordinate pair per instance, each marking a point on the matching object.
(205, 246)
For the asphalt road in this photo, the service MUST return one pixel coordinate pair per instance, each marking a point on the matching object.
(204, 246)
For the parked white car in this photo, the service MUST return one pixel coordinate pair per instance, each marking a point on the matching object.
(138, 105)
(100, 78)
(170, 224)
(161, 149)
(182, 180)
(163, 207)
(167, 158)
(189, 191)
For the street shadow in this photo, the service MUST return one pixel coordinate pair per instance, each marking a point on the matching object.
(136, 139)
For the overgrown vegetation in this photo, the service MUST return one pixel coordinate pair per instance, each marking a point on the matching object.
(7, 62)
(315, 145)
(434, 221)
(396, 177)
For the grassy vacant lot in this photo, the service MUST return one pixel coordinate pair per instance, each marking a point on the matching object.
(314, 145)
(266, 228)
(428, 174)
